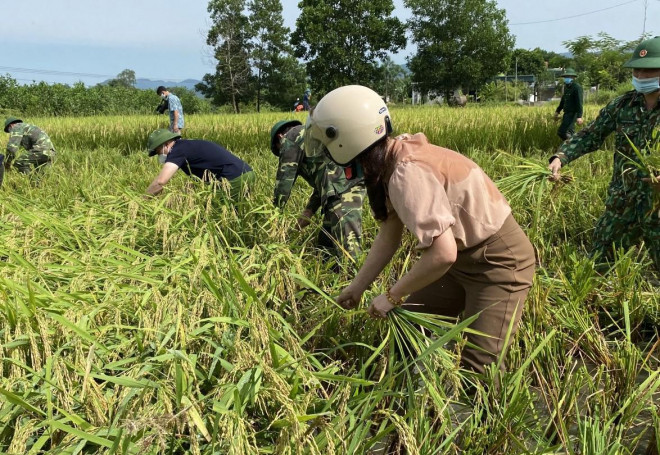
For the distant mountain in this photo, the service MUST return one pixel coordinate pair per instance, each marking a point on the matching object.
(151, 84)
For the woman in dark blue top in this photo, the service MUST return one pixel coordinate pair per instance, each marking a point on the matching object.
(203, 159)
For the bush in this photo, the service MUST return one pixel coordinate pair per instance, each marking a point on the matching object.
(42, 99)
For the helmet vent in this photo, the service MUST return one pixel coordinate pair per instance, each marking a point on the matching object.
(331, 132)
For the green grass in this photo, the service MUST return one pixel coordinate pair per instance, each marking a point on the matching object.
(177, 325)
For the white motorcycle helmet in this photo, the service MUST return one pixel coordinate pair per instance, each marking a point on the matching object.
(347, 121)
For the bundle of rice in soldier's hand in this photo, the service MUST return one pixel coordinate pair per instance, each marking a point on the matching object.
(648, 161)
(527, 178)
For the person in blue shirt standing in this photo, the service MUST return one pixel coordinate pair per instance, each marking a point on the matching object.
(203, 159)
(174, 107)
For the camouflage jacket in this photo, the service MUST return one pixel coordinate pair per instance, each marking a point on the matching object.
(325, 177)
(628, 118)
(30, 137)
(571, 100)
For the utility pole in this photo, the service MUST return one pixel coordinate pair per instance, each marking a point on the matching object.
(515, 89)
(646, 5)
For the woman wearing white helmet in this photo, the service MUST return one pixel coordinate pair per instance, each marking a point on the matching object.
(475, 258)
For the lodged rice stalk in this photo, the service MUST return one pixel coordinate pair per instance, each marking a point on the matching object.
(179, 325)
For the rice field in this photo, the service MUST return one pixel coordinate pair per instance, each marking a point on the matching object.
(178, 325)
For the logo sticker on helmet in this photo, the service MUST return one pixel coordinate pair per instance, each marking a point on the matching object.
(642, 53)
(382, 109)
(379, 129)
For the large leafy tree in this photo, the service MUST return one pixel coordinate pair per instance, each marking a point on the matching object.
(525, 61)
(230, 38)
(601, 59)
(460, 43)
(343, 40)
(279, 78)
(394, 81)
(124, 79)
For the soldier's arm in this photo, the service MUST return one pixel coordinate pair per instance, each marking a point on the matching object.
(561, 104)
(578, 96)
(287, 171)
(166, 173)
(12, 147)
(590, 138)
(314, 201)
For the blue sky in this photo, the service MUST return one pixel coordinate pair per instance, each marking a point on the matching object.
(165, 39)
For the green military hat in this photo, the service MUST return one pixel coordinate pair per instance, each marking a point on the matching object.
(645, 55)
(158, 138)
(274, 131)
(11, 120)
(569, 72)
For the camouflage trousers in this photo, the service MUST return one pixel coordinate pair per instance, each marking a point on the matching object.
(341, 232)
(34, 159)
(628, 218)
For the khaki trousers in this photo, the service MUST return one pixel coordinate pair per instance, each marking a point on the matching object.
(493, 279)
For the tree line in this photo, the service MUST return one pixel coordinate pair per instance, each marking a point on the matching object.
(113, 98)
(263, 65)
(460, 45)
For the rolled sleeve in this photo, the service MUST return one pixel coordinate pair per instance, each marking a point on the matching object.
(421, 202)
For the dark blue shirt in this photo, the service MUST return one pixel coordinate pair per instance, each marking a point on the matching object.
(199, 158)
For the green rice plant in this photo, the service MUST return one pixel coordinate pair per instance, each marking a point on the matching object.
(180, 325)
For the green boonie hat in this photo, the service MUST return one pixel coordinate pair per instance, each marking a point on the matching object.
(158, 138)
(645, 55)
(279, 126)
(569, 72)
(9, 121)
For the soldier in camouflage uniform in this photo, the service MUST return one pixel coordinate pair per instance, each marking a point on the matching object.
(340, 199)
(571, 104)
(39, 150)
(633, 117)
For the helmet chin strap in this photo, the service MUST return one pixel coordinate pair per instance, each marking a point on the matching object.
(353, 170)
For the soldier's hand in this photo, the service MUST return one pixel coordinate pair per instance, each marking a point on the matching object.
(555, 166)
(304, 219)
(350, 297)
(580, 121)
(556, 117)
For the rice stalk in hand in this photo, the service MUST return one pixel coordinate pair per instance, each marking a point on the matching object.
(526, 177)
(417, 358)
(526, 187)
(647, 161)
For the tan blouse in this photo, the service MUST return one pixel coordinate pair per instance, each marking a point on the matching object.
(433, 189)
